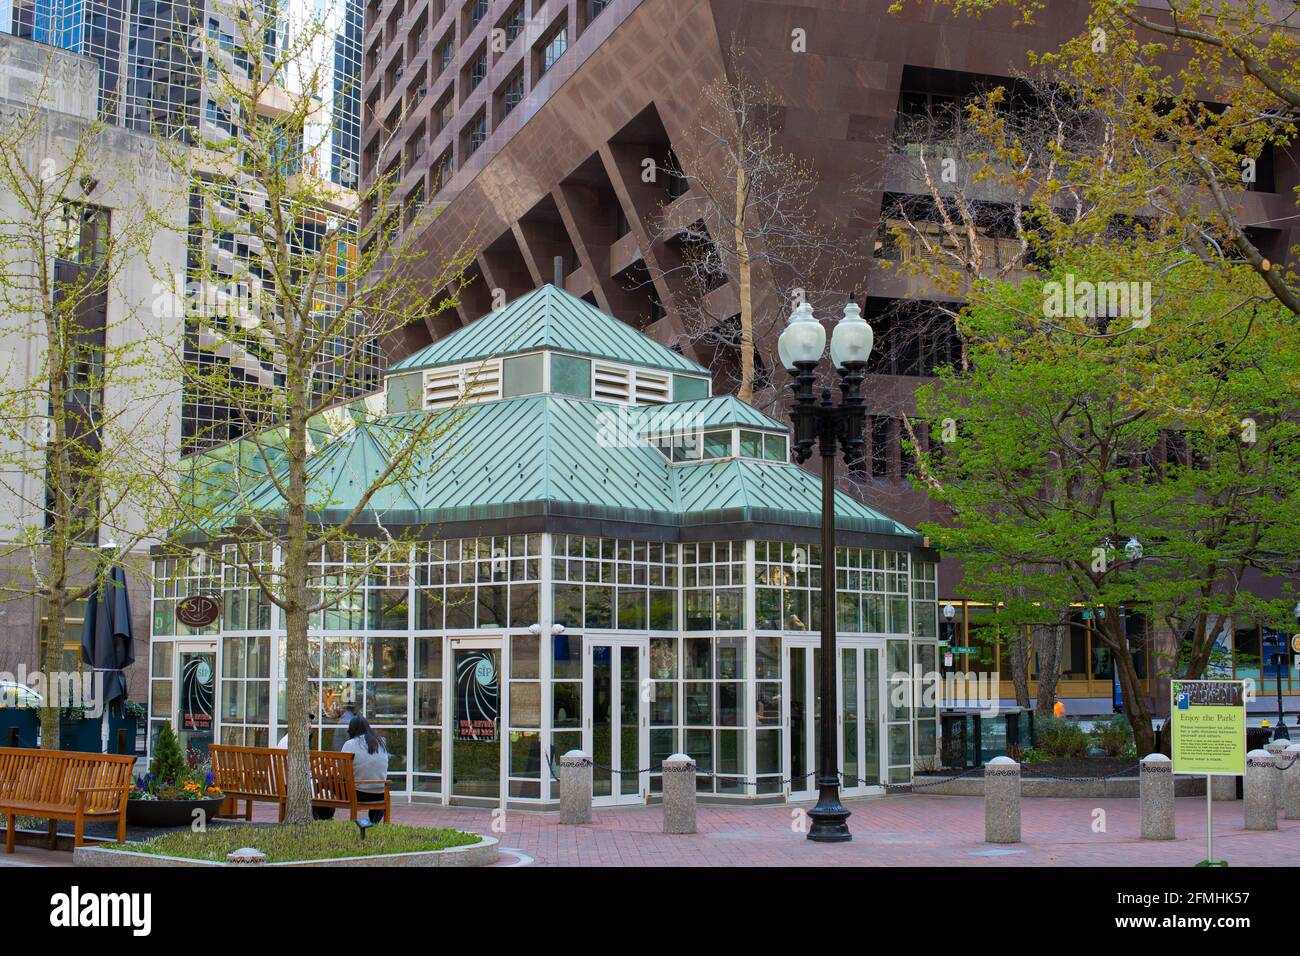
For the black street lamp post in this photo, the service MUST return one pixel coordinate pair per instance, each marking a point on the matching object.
(834, 428)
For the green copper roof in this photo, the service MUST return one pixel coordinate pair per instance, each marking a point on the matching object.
(551, 455)
(717, 412)
(549, 318)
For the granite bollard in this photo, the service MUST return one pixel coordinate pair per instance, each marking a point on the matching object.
(679, 794)
(1277, 748)
(575, 787)
(1002, 801)
(1223, 788)
(1291, 783)
(1261, 791)
(1156, 790)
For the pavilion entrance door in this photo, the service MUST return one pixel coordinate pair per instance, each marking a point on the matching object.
(196, 711)
(616, 726)
(475, 752)
(802, 716)
(861, 706)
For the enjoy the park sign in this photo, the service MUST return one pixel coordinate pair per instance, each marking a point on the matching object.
(1208, 721)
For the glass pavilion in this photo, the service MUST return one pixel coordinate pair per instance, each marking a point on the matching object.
(607, 558)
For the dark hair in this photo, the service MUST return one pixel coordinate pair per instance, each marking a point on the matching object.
(360, 727)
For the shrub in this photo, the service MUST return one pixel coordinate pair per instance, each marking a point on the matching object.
(1033, 755)
(168, 763)
(1057, 737)
(1113, 735)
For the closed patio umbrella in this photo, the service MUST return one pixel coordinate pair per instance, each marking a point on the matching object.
(107, 643)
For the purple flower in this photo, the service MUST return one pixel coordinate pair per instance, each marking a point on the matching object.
(209, 779)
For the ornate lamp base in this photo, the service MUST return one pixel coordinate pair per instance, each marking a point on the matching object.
(829, 817)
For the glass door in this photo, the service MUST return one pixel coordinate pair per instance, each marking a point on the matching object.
(196, 703)
(475, 718)
(803, 717)
(860, 718)
(616, 724)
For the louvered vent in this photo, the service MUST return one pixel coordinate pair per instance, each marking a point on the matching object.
(653, 388)
(613, 383)
(441, 387)
(481, 382)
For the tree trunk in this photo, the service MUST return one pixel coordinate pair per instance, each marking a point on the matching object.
(745, 279)
(1047, 645)
(1135, 704)
(1019, 654)
(58, 538)
(294, 561)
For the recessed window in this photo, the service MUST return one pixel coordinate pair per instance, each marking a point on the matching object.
(553, 49)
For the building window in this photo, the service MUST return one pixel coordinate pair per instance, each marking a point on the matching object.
(553, 49)
(476, 73)
(513, 93)
(476, 133)
(514, 22)
(475, 11)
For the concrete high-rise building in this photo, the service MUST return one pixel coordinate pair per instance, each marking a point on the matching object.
(128, 173)
(153, 78)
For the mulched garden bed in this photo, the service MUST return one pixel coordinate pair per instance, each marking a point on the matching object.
(1062, 767)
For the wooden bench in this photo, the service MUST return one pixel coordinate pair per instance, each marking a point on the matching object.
(249, 774)
(332, 785)
(64, 785)
(259, 774)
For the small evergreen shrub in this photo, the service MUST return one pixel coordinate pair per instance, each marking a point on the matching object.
(168, 761)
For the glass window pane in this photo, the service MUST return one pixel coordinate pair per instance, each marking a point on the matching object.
(521, 375)
(524, 656)
(686, 388)
(751, 444)
(570, 375)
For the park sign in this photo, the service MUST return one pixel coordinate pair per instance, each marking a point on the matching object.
(1208, 718)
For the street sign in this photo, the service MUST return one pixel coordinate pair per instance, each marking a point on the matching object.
(1208, 718)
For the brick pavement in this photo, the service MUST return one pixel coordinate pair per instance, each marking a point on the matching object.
(907, 830)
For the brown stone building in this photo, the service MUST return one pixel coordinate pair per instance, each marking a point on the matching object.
(529, 123)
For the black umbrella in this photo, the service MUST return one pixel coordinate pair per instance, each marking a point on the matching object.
(107, 643)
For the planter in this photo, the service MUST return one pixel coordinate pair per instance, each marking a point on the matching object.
(19, 726)
(170, 813)
(121, 734)
(80, 735)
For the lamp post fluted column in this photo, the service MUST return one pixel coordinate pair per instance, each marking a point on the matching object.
(834, 428)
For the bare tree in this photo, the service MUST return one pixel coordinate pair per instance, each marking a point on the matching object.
(287, 338)
(746, 213)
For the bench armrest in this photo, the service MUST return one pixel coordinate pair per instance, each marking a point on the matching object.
(125, 786)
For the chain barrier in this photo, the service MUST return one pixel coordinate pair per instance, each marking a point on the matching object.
(699, 774)
(848, 780)
(1288, 765)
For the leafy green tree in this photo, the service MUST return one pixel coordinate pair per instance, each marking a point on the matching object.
(1189, 99)
(1084, 423)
